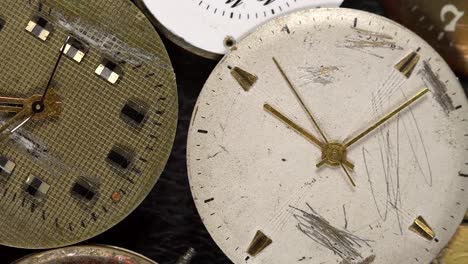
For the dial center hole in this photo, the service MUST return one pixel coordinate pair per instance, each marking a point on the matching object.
(38, 107)
(334, 154)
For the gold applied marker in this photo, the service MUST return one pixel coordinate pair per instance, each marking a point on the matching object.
(259, 243)
(421, 228)
(407, 65)
(245, 79)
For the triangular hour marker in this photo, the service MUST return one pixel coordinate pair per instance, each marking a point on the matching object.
(407, 64)
(258, 244)
(421, 228)
(244, 78)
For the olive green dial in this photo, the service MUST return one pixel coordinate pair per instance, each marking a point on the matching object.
(84, 142)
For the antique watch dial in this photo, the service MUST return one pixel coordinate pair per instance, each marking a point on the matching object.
(98, 254)
(444, 24)
(210, 27)
(381, 176)
(86, 129)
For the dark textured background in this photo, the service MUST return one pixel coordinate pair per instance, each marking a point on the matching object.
(166, 224)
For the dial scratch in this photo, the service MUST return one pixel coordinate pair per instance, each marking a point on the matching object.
(342, 243)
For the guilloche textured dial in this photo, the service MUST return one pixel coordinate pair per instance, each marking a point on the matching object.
(77, 162)
(330, 136)
(210, 27)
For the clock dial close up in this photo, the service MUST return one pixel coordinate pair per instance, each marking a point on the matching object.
(211, 27)
(89, 112)
(333, 136)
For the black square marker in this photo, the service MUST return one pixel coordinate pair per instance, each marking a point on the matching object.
(134, 112)
(119, 157)
(2, 24)
(84, 190)
(42, 22)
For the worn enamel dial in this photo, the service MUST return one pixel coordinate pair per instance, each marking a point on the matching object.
(88, 111)
(330, 136)
(210, 27)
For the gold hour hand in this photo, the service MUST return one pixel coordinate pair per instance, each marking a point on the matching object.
(299, 98)
(27, 109)
(288, 122)
(301, 131)
(387, 117)
(11, 104)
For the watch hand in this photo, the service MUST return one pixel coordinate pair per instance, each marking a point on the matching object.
(11, 104)
(387, 117)
(301, 131)
(288, 122)
(21, 117)
(32, 108)
(6, 135)
(54, 70)
(294, 90)
(311, 117)
(348, 175)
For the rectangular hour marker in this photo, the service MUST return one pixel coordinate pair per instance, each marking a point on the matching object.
(134, 112)
(407, 65)
(36, 187)
(6, 167)
(245, 79)
(119, 157)
(38, 28)
(421, 228)
(259, 243)
(84, 189)
(75, 50)
(108, 71)
(2, 24)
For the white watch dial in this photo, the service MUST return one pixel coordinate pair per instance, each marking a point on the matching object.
(389, 112)
(207, 26)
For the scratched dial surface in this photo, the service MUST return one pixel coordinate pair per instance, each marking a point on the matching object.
(70, 177)
(254, 179)
(209, 27)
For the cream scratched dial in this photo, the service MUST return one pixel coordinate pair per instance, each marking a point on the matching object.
(210, 27)
(88, 111)
(330, 136)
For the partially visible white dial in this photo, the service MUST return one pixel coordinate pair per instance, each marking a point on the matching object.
(389, 112)
(208, 27)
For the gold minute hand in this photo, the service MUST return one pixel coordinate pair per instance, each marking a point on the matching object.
(387, 117)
